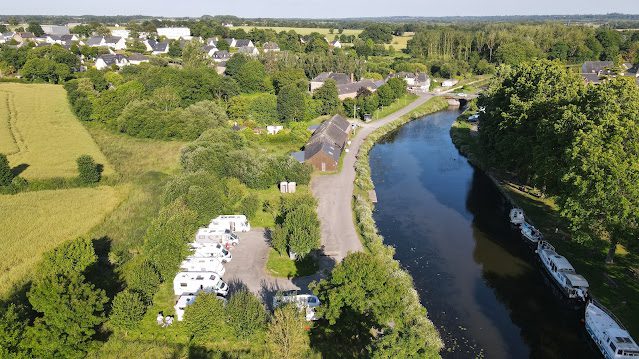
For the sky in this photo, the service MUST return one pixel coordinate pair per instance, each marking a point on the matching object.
(316, 8)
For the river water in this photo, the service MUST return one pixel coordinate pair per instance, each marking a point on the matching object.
(479, 281)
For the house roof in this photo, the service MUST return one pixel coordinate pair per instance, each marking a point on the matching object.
(597, 67)
(341, 123)
(26, 35)
(112, 39)
(591, 78)
(138, 57)
(246, 50)
(329, 132)
(314, 148)
(242, 43)
(222, 54)
(94, 40)
(66, 38)
(208, 48)
(111, 59)
(340, 78)
(269, 45)
(298, 156)
(229, 40)
(355, 86)
(158, 46)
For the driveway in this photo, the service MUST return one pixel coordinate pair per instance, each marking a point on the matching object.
(335, 192)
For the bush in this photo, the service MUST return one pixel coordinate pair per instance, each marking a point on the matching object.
(88, 170)
(6, 176)
(127, 311)
(206, 318)
(287, 337)
(144, 279)
(246, 314)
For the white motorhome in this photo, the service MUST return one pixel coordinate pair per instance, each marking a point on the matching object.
(181, 305)
(234, 223)
(211, 250)
(305, 302)
(217, 235)
(203, 264)
(186, 283)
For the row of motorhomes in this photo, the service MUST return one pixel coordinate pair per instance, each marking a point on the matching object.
(202, 271)
(612, 339)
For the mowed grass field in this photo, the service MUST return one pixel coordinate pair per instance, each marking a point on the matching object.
(39, 132)
(32, 223)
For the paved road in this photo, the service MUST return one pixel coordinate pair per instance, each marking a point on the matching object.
(335, 192)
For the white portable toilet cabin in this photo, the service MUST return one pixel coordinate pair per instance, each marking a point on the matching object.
(234, 223)
(181, 305)
(216, 235)
(292, 187)
(190, 283)
(203, 264)
(211, 250)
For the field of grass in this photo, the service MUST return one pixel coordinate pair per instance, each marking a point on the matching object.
(279, 265)
(400, 42)
(35, 222)
(395, 106)
(46, 137)
(616, 285)
(305, 30)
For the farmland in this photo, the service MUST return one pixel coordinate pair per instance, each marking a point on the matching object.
(305, 30)
(40, 134)
(35, 222)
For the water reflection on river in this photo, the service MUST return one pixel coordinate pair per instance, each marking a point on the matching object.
(477, 278)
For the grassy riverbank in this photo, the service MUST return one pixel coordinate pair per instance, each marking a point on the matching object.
(363, 207)
(615, 285)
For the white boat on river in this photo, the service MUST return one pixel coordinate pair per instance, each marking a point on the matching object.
(517, 216)
(612, 339)
(531, 233)
(573, 285)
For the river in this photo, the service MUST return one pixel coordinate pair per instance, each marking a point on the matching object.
(479, 281)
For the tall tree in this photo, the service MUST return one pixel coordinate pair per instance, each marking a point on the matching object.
(329, 96)
(6, 176)
(287, 336)
(291, 104)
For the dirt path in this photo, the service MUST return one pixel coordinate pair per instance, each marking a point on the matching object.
(334, 193)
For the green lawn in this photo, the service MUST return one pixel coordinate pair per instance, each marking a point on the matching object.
(395, 106)
(279, 265)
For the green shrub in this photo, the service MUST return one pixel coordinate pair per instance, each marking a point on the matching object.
(246, 314)
(88, 170)
(6, 176)
(127, 310)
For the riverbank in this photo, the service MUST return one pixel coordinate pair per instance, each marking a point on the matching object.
(616, 285)
(363, 206)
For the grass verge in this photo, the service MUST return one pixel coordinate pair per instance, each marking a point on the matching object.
(279, 265)
(395, 106)
(616, 286)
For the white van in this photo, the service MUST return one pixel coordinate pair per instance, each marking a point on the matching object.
(211, 250)
(217, 235)
(234, 223)
(202, 264)
(181, 305)
(304, 302)
(186, 283)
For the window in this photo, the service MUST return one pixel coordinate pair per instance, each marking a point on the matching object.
(183, 285)
(614, 348)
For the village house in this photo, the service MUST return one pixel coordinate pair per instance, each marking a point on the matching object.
(55, 30)
(248, 50)
(221, 56)
(244, 43)
(270, 46)
(339, 78)
(113, 42)
(155, 47)
(22, 37)
(211, 41)
(335, 44)
(231, 41)
(327, 143)
(6, 37)
(108, 60)
(175, 33)
(124, 33)
(350, 90)
(136, 59)
(209, 50)
(414, 81)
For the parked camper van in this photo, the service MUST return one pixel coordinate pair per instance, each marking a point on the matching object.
(186, 283)
(305, 302)
(211, 250)
(203, 264)
(234, 223)
(217, 235)
(181, 305)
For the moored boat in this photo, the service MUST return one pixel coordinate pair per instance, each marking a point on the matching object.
(573, 285)
(531, 233)
(612, 339)
(516, 216)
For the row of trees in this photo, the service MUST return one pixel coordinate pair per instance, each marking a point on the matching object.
(576, 141)
(367, 102)
(516, 43)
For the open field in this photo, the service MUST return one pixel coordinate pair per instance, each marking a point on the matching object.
(35, 222)
(305, 30)
(46, 137)
(400, 42)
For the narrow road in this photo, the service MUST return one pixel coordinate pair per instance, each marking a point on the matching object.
(335, 192)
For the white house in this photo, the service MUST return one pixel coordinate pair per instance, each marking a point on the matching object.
(156, 48)
(186, 283)
(121, 33)
(243, 43)
(136, 59)
(335, 44)
(234, 223)
(248, 50)
(210, 50)
(202, 264)
(108, 60)
(115, 42)
(174, 33)
(181, 305)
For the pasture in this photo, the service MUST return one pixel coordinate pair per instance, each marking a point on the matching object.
(40, 134)
(35, 222)
(304, 30)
